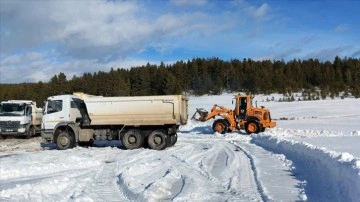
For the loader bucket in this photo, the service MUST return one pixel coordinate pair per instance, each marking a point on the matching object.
(200, 114)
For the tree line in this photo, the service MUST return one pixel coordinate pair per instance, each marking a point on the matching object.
(203, 76)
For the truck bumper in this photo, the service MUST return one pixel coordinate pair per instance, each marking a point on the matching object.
(13, 131)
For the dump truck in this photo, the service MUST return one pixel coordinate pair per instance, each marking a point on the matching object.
(243, 117)
(137, 121)
(20, 118)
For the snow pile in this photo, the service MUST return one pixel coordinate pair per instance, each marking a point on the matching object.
(329, 176)
(308, 133)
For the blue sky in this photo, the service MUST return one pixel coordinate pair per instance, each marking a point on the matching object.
(42, 38)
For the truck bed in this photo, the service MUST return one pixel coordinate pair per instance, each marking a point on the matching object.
(138, 110)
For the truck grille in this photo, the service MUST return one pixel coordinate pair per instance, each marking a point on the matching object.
(9, 125)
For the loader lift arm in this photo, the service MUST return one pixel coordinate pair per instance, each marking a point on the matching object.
(202, 115)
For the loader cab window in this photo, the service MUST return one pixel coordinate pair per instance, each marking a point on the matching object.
(242, 106)
(54, 106)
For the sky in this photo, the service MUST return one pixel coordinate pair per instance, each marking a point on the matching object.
(39, 39)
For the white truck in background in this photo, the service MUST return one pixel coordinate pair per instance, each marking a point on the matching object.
(20, 118)
(150, 121)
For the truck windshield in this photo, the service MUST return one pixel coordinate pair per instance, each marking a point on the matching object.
(54, 106)
(12, 109)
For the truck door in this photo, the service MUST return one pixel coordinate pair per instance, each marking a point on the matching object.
(54, 113)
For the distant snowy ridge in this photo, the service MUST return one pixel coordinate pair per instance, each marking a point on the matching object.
(326, 173)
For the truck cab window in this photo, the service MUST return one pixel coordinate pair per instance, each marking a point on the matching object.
(75, 103)
(54, 106)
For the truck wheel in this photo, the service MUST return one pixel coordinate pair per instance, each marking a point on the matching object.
(157, 140)
(252, 127)
(30, 133)
(173, 139)
(65, 140)
(220, 126)
(133, 139)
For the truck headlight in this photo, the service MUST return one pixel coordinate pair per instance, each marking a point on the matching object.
(22, 129)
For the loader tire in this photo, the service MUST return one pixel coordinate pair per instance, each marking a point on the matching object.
(65, 140)
(133, 139)
(220, 126)
(158, 140)
(252, 127)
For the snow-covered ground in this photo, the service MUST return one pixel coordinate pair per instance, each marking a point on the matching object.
(314, 155)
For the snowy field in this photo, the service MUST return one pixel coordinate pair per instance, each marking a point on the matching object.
(313, 155)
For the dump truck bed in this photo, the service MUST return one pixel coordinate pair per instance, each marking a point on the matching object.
(139, 110)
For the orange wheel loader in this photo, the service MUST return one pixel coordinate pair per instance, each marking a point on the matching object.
(244, 117)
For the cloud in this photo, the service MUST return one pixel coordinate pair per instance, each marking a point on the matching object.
(356, 54)
(37, 66)
(189, 2)
(27, 67)
(341, 28)
(260, 13)
(85, 29)
(287, 53)
(329, 54)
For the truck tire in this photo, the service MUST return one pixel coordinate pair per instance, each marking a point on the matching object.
(252, 127)
(220, 126)
(65, 140)
(133, 139)
(30, 133)
(157, 140)
(173, 139)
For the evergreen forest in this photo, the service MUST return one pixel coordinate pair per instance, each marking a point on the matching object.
(201, 76)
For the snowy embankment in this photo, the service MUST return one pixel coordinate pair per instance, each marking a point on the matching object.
(327, 175)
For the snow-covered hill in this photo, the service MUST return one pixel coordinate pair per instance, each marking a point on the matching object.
(312, 155)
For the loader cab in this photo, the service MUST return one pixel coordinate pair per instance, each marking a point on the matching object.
(243, 103)
(242, 106)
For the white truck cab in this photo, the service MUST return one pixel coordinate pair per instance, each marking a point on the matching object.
(60, 109)
(19, 118)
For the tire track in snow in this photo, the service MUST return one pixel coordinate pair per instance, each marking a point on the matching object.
(210, 163)
(109, 187)
(264, 197)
